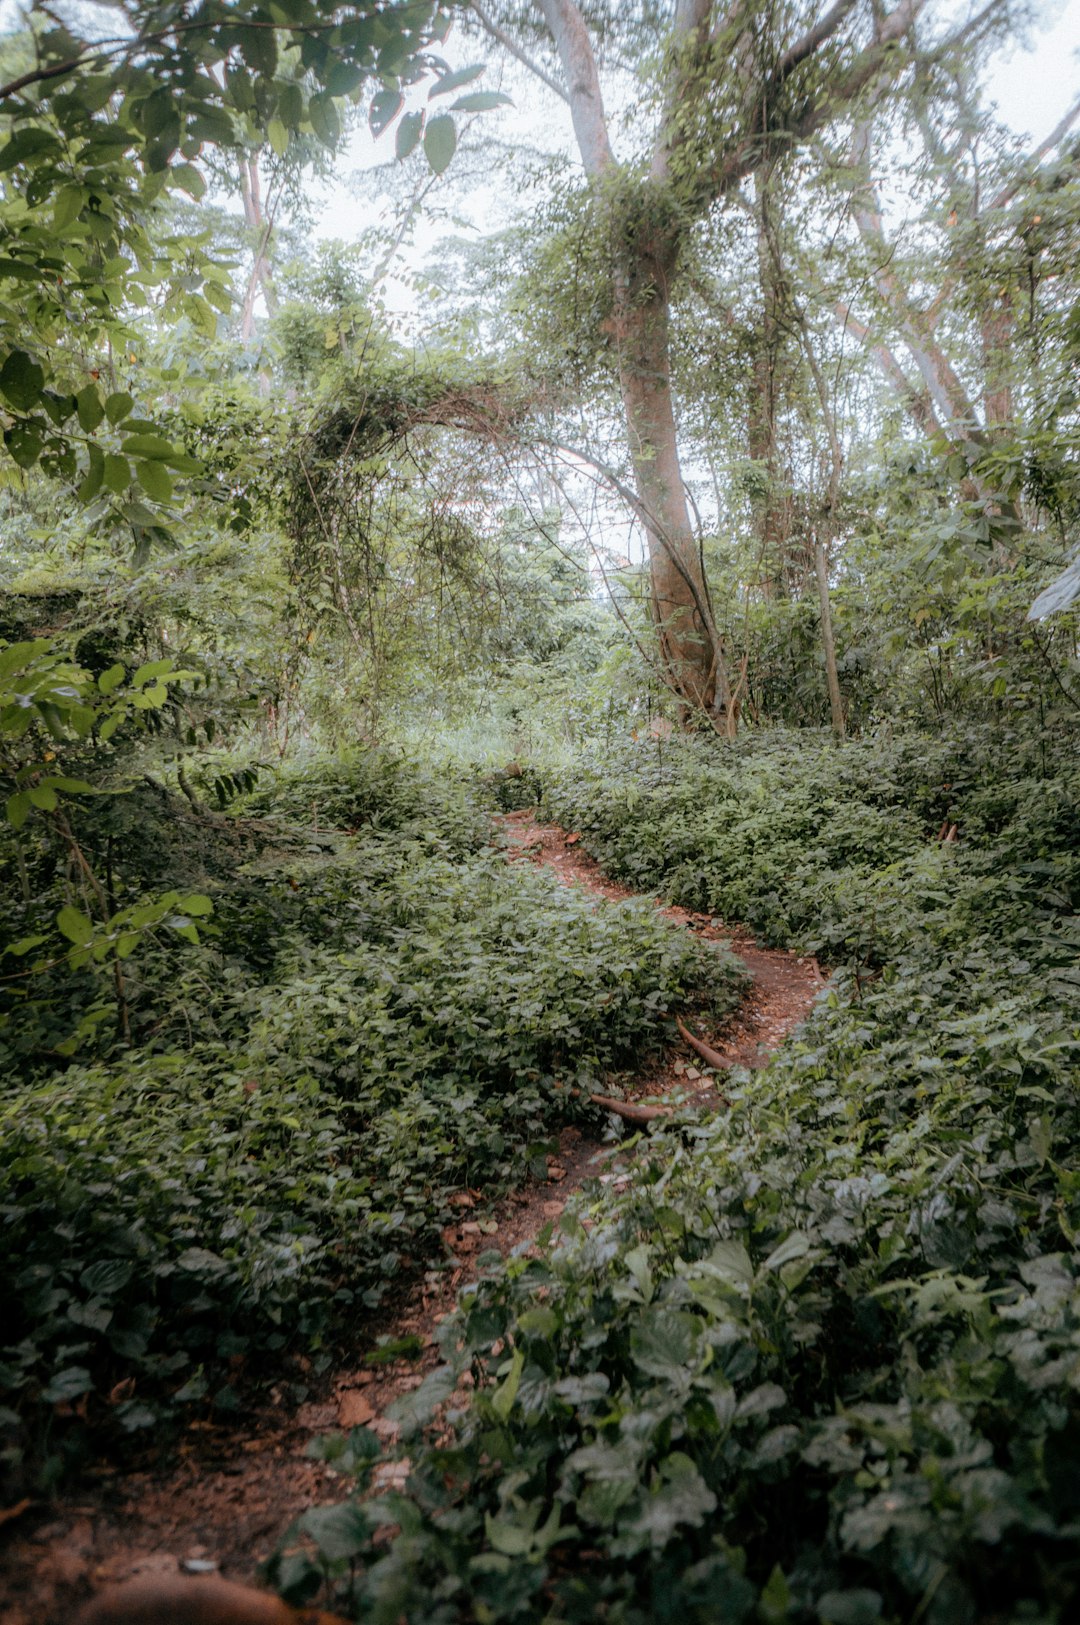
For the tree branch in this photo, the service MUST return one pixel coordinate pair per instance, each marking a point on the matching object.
(1057, 134)
(812, 40)
(945, 388)
(917, 401)
(583, 82)
(499, 33)
(691, 23)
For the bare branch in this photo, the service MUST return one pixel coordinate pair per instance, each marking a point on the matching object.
(946, 390)
(916, 401)
(967, 31)
(491, 27)
(812, 40)
(1056, 136)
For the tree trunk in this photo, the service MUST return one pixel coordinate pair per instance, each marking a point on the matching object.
(640, 327)
(998, 325)
(679, 597)
(261, 228)
(836, 704)
(772, 511)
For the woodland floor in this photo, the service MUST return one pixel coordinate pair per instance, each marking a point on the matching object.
(229, 1491)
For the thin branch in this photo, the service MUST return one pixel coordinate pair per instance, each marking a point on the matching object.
(917, 402)
(101, 51)
(812, 40)
(1057, 134)
(491, 27)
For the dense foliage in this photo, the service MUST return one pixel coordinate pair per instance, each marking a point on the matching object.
(372, 1023)
(317, 555)
(819, 1360)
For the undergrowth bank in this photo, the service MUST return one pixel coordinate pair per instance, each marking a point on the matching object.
(820, 1360)
(382, 1012)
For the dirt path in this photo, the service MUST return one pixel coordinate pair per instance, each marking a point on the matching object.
(784, 984)
(233, 1490)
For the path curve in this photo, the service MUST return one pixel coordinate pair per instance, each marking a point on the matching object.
(237, 1489)
(784, 984)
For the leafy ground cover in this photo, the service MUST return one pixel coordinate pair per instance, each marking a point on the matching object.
(381, 1012)
(820, 1360)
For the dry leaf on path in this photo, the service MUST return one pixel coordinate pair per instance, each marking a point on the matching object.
(354, 1409)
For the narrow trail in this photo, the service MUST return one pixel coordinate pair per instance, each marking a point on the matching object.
(235, 1488)
(784, 984)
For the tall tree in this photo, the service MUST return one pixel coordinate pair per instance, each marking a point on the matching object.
(739, 90)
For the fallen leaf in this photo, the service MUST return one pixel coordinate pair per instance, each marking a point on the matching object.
(354, 1409)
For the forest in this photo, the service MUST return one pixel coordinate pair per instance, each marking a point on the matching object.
(539, 755)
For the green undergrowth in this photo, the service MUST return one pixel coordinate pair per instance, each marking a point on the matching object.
(382, 1011)
(820, 1361)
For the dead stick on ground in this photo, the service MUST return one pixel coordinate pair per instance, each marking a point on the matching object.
(629, 1112)
(711, 1057)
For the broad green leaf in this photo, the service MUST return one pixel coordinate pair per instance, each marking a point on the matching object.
(117, 473)
(324, 118)
(151, 671)
(75, 925)
(440, 142)
(91, 409)
(68, 1384)
(18, 809)
(67, 206)
(91, 482)
(21, 380)
(111, 679)
(384, 110)
(290, 106)
(408, 133)
(502, 1400)
(118, 406)
(27, 142)
(795, 1246)
(24, 442)
(146, 445)
(155, 480)
(481, 101)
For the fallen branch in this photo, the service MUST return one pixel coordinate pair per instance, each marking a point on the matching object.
(629, 1112)
(711, 1057)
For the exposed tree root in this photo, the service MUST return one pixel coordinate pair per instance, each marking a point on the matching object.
(711, 1057)
(630, 1111)
(183, 1600)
